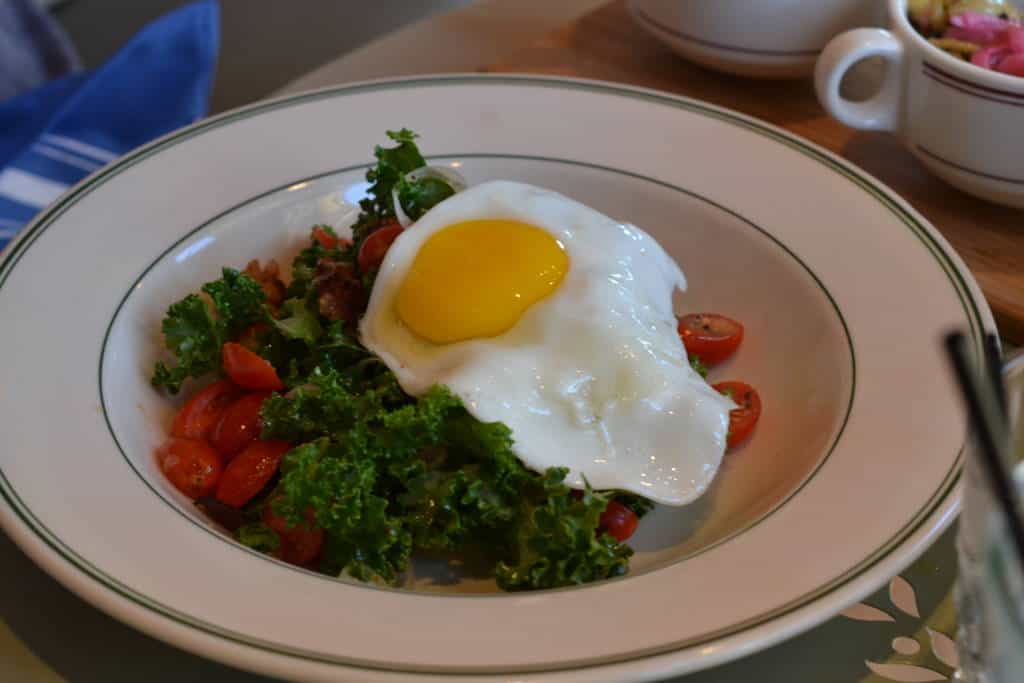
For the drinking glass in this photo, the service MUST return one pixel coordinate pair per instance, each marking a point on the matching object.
(990, 589)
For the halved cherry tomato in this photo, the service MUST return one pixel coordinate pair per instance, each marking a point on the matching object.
(375, 247)
(199, 415)
(619, 521)
(249, 370)
(300, 544)
(742, 419)
(326, 239)
(192, 466)
(239, 424)
(249, 472)
(710, 337)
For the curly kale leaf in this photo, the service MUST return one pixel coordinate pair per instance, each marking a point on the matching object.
(557, 541)
(239, 301)
(386, 474)
(465, 489)
(393, 163)
(415, 473)
(195, 335)
(419, 196)
(390, 174)
(299, 322)
(304, 271)
(342, 349)
(338, 484)
(328, 403)
(191, 334)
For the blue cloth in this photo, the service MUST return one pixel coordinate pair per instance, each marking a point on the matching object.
(53, 136)
(33, 48)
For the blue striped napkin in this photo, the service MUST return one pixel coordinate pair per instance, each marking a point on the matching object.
(54, 135)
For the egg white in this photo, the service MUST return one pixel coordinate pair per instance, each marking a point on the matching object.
(593, 377)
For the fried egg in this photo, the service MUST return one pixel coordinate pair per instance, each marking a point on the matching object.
(546, 315)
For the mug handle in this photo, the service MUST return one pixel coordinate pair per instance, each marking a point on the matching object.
(880, 112)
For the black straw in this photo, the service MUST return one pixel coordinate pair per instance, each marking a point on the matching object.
(995, 371)
(990, 434)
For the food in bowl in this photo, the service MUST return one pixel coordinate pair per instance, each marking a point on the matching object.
(494, 370)
(987, 33)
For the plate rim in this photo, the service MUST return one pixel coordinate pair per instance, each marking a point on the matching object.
(941, 508)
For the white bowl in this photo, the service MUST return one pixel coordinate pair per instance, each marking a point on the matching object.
(758, 38)
(850, 475)
(962, 122)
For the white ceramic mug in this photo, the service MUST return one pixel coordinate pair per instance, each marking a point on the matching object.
(761, 38)
(963, 122)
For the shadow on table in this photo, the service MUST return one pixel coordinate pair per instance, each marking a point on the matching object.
(84, 645)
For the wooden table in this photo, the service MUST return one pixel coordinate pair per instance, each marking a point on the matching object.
(608, 45)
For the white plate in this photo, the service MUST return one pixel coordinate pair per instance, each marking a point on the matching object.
(843, 288)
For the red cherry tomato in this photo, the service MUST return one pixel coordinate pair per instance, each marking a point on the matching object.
(619, 521)
(710, 337)
(192, 466)
(249, 370)
(742, 419)
(300, 544)
(200, 414)
(239, 424)
(326, 239)
(249, 472)
(375, 247)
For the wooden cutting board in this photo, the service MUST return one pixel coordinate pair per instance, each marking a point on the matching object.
(608, 45)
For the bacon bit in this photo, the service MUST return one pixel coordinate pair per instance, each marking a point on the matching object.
(325, 238)
(341, 294)
(269, 278)
(328, 240)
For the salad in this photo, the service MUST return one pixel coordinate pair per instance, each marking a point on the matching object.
(987, 33)
(302, 444)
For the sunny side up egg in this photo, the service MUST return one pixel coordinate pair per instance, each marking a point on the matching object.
(546, 315)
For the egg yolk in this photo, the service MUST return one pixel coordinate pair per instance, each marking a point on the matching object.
(477, 278)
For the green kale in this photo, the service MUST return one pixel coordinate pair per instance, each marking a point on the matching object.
(386, 475)
(304, 270)
(393, 163)
(557, 541)
(337, 481)
(258, 536)
(329, 403)
(699, 367)
(195, 335)
(300, 322)
(192, 335)
(340, 348)
(466, 489)
(421, 195)
(388, 175)
(239, 301)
